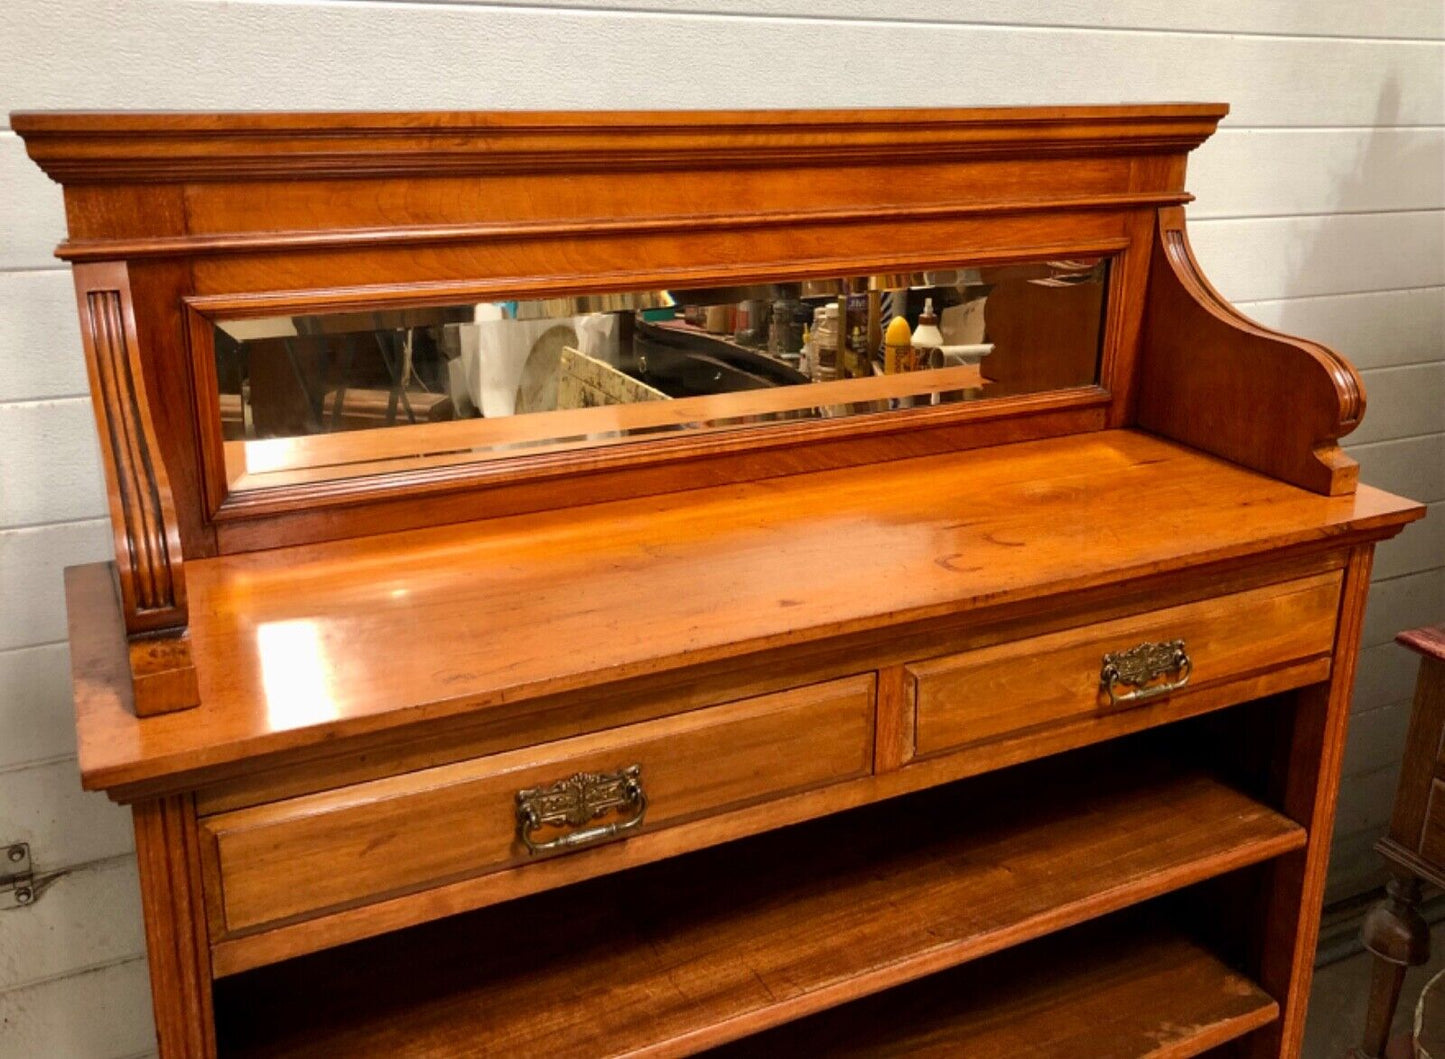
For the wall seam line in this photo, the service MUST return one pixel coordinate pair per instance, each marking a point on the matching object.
(720, 15)
(103, 965)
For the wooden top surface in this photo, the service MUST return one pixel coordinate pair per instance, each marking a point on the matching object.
(1429, 640)
(298, 646)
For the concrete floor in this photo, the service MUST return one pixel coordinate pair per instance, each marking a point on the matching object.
(1337, 1000)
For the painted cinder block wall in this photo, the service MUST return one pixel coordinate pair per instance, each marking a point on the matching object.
(1321, 210)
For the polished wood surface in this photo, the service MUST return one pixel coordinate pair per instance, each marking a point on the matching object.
(150, 570)
(1304, 778)
(269, 518)
(282, 941)
(226, 215)
(1428, 641)
(1422, 765)
(706, 949)
(1117, 989)
(168, 862)
(438, 824)
(687, 579)
(979, 696)
(1214, 379)
(530, 722)
(801, 629)
(150, 564)
(178, 146)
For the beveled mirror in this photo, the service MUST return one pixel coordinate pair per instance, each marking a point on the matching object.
(309, 398)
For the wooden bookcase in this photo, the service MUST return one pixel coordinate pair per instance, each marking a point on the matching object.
(878, 720)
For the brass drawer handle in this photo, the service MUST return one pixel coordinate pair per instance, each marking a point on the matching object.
(578, 800)
(1138, 666)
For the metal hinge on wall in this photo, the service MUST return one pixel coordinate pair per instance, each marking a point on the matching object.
(17, 884)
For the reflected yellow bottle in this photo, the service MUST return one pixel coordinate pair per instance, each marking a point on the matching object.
(897, 346)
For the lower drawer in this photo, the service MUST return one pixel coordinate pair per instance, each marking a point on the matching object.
(307, 855)
(1060, 678)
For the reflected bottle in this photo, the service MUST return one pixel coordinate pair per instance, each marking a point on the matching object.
(784, 337)
(927, 341)
(825, 343)
(897, 346)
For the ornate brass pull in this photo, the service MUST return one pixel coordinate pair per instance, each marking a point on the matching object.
(578, 800)
(1139, 666)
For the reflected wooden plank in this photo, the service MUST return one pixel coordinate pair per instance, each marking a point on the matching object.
(288, 461)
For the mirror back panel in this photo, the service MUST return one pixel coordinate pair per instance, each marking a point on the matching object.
(350, 323)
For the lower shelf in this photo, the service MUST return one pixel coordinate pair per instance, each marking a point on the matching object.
(705, 949)
(1109, 990)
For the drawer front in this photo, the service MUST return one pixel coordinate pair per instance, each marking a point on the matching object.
(303, 856)
(987, 694)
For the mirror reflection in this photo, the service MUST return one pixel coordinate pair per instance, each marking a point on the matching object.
(306, 398)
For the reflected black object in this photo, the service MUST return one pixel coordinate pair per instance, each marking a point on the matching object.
(693, 363)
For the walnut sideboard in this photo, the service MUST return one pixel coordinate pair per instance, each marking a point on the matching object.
(788, 583)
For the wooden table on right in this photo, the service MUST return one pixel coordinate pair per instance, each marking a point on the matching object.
(1414, 847)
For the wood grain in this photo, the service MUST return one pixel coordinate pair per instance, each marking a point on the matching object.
(1047, 680)
(378, 660)
(528, 721)
(688, 579)
(725, 944)
(233, 955)
(1305, 779)
(1421, 760)
(1116, 989)
(400, 834)
(168, 857)
(1428, 641)
(464, 232)
(1216, 380)
(169, 146)
(365, 210)
(428, 496)
(893, 744)
(150, 563)
(150, 572)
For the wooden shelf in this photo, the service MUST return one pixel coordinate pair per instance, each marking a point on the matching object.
(1111, 990)
(707, 948)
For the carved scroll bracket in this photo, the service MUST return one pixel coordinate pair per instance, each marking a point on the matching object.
(1216, 380)
(150, 575)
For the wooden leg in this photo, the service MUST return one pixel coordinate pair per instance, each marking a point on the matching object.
(1309, 768)
(1399, 939)
(168, 856)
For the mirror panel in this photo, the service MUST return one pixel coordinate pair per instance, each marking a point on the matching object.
(343, 395)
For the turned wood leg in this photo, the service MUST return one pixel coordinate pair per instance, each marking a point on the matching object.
(1399, 939)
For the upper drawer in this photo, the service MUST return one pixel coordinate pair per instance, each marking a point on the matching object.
(1059, 678)
(306, 855)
